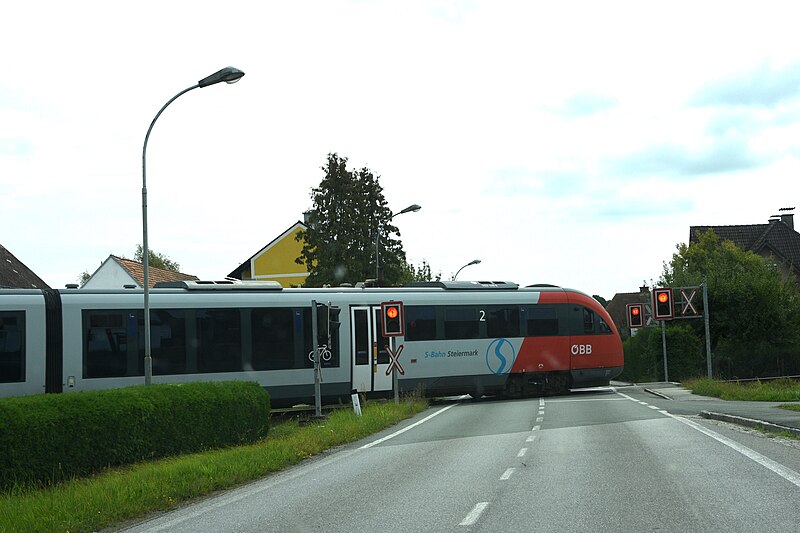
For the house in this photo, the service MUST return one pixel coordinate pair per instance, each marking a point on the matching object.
(15, 275)
(117, 272)
(777, 239)
(276, 260)
(618, 307)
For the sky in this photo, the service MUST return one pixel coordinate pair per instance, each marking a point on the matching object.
(570, 143)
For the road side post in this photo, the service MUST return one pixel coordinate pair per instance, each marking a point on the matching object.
(664, 346)
(395, 385)
(708, 333)
(315, 347)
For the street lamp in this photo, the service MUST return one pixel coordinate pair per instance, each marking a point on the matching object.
(412, 207)
(473, 262)
(228, 75)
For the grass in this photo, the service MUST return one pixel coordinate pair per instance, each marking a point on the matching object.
(790, 407)
(781, 390)
(127, 493)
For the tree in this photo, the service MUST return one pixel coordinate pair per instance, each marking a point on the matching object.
(423, 273)
(755, 314)
(348, 212)
(155, 259)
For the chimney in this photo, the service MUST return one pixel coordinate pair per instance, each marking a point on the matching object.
(787, 217)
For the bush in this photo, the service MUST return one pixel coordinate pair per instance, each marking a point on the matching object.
(49, 438)
(644, 354)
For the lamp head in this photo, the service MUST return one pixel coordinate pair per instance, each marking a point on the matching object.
(228, 75)
(413, 207)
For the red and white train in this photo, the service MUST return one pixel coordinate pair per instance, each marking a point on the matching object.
(460, 338)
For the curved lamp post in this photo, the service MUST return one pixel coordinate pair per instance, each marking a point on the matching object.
(409, 209)
(228, 75)
(473, 262)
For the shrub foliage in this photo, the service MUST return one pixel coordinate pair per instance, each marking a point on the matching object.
(49, 438)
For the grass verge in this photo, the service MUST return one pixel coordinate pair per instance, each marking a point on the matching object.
(781, 390)
(790, 407)
(123, 494)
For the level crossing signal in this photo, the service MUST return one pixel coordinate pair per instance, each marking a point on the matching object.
(392, 321)
(662, 304)
(635, 315)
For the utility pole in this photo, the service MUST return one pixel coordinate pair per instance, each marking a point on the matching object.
(708, 329)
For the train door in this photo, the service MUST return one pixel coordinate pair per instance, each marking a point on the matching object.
(370, 358)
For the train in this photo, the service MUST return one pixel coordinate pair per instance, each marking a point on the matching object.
(459, 337)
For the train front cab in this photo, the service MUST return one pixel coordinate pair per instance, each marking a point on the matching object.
(596, 355)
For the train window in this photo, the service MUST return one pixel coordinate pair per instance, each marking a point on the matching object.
(12, 346)
(109, 344)
(502, 322)
(168, 341)
(219, 336)
(273, 338)
(588, 321)
(542, 320)
(420, 323)
(463, 322)
(303, 331)
(362, 340)
(584, 321)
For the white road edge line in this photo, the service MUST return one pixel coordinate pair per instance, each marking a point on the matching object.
(415, 424)
(507, 474)
(473, 515)
(786, 473)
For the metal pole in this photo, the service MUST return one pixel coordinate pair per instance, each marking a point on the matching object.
(148, 359)
(708, 329)
(395, 385)
(664, 345)
(314, 345)
(377, 253)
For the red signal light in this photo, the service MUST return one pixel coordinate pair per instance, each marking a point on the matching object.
(392, 322)
(662, 304)
(635, 316)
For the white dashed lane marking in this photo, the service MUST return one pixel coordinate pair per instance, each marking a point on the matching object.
(475, 514)
(507, 474)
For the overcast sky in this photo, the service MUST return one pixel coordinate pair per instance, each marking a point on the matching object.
(571, 143)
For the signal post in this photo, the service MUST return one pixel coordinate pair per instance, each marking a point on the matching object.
(393, 326)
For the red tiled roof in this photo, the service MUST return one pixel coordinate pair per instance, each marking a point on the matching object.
(157, 275)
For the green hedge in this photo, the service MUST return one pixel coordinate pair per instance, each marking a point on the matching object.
(49, 438)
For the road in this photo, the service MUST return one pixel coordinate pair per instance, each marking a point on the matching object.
(599, 460)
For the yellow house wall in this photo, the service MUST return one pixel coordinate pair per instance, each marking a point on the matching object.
(277, 262)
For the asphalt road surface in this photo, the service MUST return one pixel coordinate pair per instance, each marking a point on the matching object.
(598, 460)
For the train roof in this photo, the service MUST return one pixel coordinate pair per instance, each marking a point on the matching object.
(200, 286)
